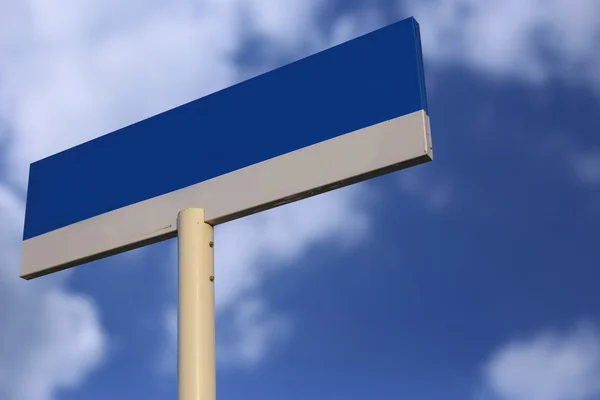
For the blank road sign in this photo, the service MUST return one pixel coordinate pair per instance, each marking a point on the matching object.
(340, 116)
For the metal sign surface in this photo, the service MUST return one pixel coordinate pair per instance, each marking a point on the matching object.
(343, 115)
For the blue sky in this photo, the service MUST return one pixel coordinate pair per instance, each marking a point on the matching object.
(471, 277)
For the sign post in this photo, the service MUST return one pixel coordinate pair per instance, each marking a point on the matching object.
(196, 320)
(341, 116)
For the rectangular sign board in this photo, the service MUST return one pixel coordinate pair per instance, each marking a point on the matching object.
(346, 114)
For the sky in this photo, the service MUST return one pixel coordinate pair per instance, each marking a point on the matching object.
(473, 277)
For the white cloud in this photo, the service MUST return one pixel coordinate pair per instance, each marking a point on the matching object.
(362, 19)
(549, 366)
(290, 26)
(435, 192)
(167, 356)
(533, 39)
(587, 167)
(49, 337)
(255, 331)
(247, 251)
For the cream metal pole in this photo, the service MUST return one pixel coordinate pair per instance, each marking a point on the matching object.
(196, 313)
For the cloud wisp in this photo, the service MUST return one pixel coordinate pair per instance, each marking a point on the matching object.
(535, 40)
(50, 338)
(549, 366)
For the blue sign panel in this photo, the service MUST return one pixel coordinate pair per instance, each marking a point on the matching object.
(367, 81)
